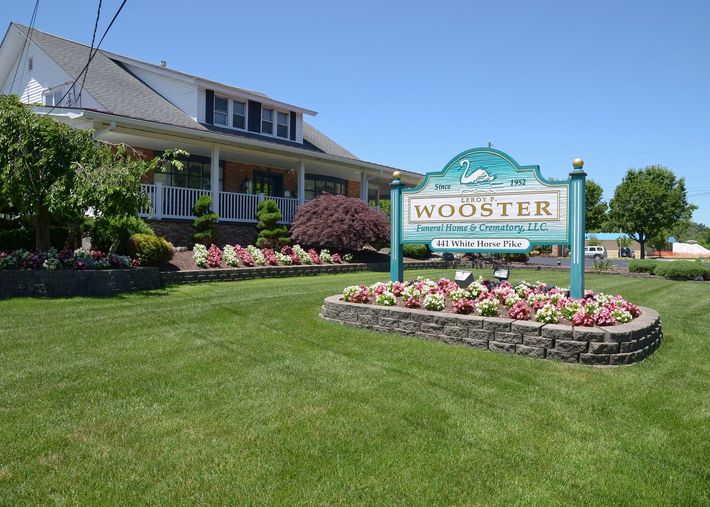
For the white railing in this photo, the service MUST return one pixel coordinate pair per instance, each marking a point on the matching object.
(177, 202)
(288, 206)
(234, 207)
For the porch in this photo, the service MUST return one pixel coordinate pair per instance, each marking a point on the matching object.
(168, 202)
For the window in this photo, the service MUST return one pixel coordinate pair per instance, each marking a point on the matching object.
(316, 185)
(282, 124)
(239, 115)
(195, 174)
(220, 110)
(53, 97)
(267, 121)
(30, 63)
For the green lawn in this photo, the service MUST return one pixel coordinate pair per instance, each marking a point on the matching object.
(238, 393)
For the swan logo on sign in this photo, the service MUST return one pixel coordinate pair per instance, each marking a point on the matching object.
(480, 175)
(485, 201)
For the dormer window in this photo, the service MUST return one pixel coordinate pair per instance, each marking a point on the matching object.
(239, 115)
(282, 124)
(221, 105)
(53, 97)
(267, 121)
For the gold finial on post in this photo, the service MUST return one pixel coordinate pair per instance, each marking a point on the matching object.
(396, 175)
(578, 163)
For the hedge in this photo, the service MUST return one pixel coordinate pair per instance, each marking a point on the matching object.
(681, 270)
(643, 266)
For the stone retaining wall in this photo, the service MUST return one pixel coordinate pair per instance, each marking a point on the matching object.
(613, 345)
(232, 274)
(43, 283)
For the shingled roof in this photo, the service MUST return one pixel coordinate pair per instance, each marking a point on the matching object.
(122, 93)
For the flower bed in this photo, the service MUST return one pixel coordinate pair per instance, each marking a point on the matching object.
(538, 302)
(67, 259)
(236, 256)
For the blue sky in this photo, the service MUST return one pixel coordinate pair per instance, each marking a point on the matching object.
(411, 84)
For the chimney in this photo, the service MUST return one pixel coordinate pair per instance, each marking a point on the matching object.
(163, 63)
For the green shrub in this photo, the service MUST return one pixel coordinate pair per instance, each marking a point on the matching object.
(416, 251)
(24, 238)
(152, 250)
(681, 270)
(112, 234)
(643, 266)
(513, 257)
(204, 221)
(271, 234)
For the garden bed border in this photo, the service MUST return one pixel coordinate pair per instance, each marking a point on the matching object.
(69, 283)
(601, 346)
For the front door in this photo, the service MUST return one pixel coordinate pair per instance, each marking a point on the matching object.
(268, 183)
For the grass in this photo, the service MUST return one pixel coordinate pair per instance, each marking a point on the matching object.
(238, 393)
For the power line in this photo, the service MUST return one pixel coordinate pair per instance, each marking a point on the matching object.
(91, 48)
(25, 44)
(91, 57)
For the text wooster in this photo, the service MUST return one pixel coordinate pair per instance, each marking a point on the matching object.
(535, 206)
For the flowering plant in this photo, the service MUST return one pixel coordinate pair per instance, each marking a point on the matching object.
(386, 299)
(434, 302)
(487, 307)
(199, 255)
(214, 256)
(463, 306)
(229, 255)
(548, 314)
(519, 311)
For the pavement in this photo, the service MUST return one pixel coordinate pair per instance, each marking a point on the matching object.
(552, 261)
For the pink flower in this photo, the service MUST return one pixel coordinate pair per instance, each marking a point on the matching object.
(315, 258)
(397, 288)
(214, 256)
(270, 257)
(412, 303)
(244, 256)
(604, 317)
(336, 258)
(582, 318)
(520, 311)
(463, 306)
(361, 296)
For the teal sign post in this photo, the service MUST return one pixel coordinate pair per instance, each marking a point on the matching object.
(484, 201)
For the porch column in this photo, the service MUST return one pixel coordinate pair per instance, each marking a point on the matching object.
(301, 186)
(363, 186)
(214, 178)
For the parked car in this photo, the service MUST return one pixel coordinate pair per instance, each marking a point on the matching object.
(595, 252)
(626, 251)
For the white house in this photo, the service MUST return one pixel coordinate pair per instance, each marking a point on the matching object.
(244, 145)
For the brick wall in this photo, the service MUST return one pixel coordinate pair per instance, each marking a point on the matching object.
(179, 233)
(354, 189)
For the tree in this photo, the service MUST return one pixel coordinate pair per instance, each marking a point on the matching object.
(204, 220)
(336, 221)
(595, 207)
(271, 234)
(649, 201)
(50, 172)
(37, 158)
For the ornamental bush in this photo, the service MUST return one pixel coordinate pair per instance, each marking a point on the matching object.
(340, 222)
(151, 250)
(204, 221)
(416, 251)
(111, 234)
(271, 234)
(681, 270)
(643, 266)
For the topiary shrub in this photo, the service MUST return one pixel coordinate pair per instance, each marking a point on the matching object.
(339, 222)
(416, 251)
(204, 221)
(642, 266)
(271, 234)
(152, 250)
(111, 234)
(681, 270)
